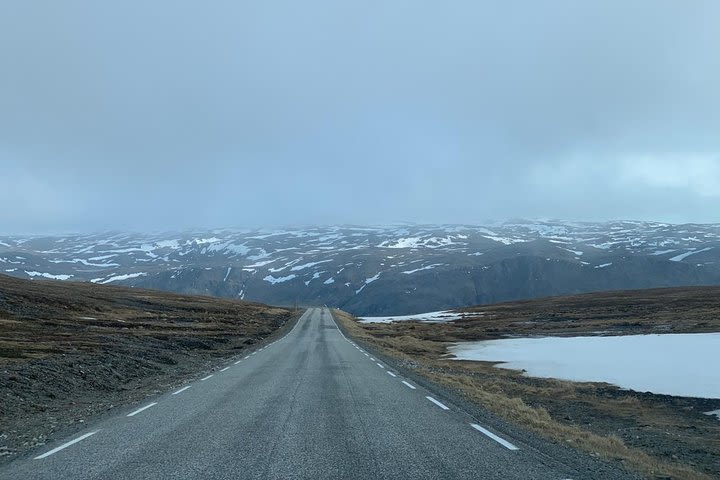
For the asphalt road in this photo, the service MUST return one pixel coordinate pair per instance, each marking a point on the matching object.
(311, 405)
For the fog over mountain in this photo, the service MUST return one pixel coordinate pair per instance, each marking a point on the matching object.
(168, 115)
(384, 270)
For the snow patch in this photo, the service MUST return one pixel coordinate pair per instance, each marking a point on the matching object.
(428, 267)
(273, 280)
(683, 256)
(307, 265)
(48, 275)
(118, 278)
(714, 412)
(504, 240)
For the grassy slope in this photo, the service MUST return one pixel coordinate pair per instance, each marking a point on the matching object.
(71, 350)
(657, 435)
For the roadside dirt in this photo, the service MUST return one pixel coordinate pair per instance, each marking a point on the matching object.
(69, 351)
(659, 436)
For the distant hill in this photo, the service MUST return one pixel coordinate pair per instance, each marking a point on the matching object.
(383, 270)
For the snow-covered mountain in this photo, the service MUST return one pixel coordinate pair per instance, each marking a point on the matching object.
(386, 269)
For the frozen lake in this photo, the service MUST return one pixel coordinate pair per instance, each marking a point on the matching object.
(431, 317)
(672, 364)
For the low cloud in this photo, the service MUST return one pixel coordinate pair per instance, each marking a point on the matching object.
(698, 174)
(173, 114)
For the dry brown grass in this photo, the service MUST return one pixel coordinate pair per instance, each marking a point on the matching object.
(72, 350)
(523, 400)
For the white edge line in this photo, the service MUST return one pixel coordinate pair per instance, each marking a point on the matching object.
(65, 445)
(408, 385)
(391, 374)
(182, 390)
(141, 409)
(488, 433)
(222, 370)
(205, 378)
(439, 404)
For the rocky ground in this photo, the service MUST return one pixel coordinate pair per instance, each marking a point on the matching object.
(69, 351)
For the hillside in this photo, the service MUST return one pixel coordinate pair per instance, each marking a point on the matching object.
(383, 270)
(71, 350)
(623, 312)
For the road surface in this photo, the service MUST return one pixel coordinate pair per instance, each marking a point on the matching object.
(310, 405)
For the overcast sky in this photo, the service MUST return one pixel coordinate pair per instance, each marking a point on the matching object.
(155, 115)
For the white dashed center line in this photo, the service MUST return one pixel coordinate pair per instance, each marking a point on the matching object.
(182, 390)
(501, 441)
(246, 357)
(222, 370)
(65, 445)
(439, 404)
(205, 378)
(391, 374)
(379, 365)
(238, 362)
(372, 359)
(408, 385)
(141, 409)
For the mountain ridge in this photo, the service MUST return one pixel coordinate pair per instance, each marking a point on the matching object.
(393, 269)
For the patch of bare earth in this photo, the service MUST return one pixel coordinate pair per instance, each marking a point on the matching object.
(658, 436)
(69, 351)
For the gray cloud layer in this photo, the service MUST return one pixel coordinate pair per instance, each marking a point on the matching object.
(169, 114)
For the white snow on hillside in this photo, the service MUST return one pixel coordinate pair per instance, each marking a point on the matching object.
(428, 267)
(504, 240)
(308, 265)
(368, 281)
(715, 413)
(48, 275)
(683, 256)
(350, 253)
(118, 278)
(420, 242)
(273, 280)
